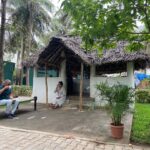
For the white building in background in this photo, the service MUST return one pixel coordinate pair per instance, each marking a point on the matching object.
(10, 57)
(63, 57)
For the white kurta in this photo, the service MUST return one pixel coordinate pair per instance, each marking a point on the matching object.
(59, 98)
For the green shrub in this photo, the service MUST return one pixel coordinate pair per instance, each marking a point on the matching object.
(119, 98)
(142, 96)
(22, 90)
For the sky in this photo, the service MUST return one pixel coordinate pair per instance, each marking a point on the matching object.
(57, 3)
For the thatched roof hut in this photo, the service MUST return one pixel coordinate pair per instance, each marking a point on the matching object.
(74, 52)
(80, 67)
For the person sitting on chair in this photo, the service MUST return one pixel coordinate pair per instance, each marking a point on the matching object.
(60, 96)
(6, 98)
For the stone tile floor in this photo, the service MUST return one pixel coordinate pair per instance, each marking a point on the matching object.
(93, 124)
(21, 139)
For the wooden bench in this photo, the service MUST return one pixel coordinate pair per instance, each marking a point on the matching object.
(34, 99)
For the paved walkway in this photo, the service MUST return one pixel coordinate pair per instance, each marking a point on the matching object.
(93, 124)
(19, 139)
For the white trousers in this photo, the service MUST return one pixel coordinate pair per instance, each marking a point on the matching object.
(11, 105)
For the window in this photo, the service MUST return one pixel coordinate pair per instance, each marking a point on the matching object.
(112, 70)
(51, 72)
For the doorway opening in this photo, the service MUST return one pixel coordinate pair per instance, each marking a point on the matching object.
(73, 72)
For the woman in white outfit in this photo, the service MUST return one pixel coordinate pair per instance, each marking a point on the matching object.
(60, 96)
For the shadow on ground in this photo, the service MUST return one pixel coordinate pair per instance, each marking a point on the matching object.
(69, 121)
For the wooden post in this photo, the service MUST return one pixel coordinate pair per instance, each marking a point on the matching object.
(46, 84)
(35, 103)
(27, 76)
(81, 88)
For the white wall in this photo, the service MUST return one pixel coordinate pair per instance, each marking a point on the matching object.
(148, 71)
(129, 80)
(39, 88)
(39, 82)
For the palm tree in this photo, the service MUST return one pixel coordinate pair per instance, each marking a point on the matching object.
(2, 36)
(29, 21)
(61, 23)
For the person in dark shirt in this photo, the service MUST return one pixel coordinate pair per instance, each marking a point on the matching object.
(7, 98)
(8, 102)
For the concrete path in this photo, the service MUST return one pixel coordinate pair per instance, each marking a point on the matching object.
(19, 139)
(93, 124)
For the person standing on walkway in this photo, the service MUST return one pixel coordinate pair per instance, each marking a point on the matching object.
(6, 97)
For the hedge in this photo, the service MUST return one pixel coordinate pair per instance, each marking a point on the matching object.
(22, 90)
(142, 96)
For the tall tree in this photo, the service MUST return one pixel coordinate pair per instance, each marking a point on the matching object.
(29, 21)
(2, 36)
(101, 23)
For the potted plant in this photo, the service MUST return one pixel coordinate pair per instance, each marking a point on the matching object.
(119, 98)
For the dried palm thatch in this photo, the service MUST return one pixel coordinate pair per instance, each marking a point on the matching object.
(32, 59)
(71, 46)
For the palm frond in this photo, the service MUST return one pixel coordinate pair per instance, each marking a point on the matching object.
(46, 4)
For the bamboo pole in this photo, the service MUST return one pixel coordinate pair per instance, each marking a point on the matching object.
(81, 88)
(28, 76)
(46, 84)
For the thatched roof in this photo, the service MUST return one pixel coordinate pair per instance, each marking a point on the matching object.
(32, 59)
(71, 46)
(114, 57)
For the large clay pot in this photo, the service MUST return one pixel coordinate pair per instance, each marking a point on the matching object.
(117, 131)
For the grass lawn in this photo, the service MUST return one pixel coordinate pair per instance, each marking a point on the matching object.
(141, 124)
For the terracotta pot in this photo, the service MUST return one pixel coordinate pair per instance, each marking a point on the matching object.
(117, 131)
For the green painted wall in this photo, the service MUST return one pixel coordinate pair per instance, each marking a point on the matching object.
(8, 70)
(31, 74)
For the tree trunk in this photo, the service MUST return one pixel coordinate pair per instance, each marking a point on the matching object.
(27, 76)
(81, 88)
(18, 68)
(23, 48)
(30, 26)
(2, 36)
